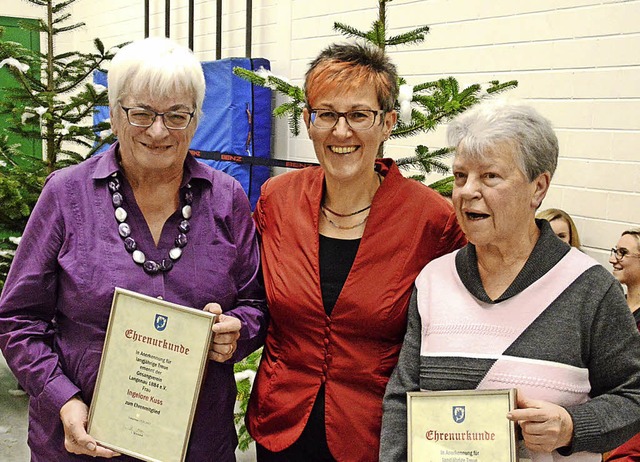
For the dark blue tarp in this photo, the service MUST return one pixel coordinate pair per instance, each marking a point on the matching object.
(236, 120)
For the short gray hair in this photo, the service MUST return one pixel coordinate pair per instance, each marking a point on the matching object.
(158, 65)
(494, 121)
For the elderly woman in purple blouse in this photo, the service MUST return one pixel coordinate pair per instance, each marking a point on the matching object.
(182, 232)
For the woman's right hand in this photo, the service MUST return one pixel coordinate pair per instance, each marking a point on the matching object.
(74, 414)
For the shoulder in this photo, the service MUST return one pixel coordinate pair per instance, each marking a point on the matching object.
(216, 178)
(294, 178)
(440, 267)
(292, 184)
(76, 175)
(414, 193)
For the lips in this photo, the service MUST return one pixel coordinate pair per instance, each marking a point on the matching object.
(476, 215)
(343, 149)
(155, 147)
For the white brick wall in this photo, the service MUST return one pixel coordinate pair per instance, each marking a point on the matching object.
(577, 61)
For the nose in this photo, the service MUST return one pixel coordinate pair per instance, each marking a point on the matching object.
(612, 259)
(470, 189)
(342, 127)
(157, 128)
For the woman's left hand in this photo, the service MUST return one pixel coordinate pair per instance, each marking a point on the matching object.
(545, 426)
(226, 332)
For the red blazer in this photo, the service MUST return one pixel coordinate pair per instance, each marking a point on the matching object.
(354, 351)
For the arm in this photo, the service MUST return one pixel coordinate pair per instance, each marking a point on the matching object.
(27, 311)
(612, 353)
(251, 309)
(28, 306)
(613, 415)
(405, 377)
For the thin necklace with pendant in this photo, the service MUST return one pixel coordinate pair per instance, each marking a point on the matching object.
(131, 246)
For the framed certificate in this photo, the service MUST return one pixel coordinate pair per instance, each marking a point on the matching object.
(154, 358)
(469, 426)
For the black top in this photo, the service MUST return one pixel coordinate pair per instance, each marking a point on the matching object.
(336, 259)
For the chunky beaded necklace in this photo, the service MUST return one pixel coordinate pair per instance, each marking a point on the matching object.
(149, 266)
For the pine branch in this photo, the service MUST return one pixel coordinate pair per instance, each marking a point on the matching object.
(62, 5)
(444, 186)
(412, 37)
(349, 31)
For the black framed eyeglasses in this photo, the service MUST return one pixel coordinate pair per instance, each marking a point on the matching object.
(142, 117)
(360, 119)
(620, 254)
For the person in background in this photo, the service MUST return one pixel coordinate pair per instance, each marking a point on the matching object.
(522, 309)
(625, 259)
(341, 245)
(145, 216)
(562, 225)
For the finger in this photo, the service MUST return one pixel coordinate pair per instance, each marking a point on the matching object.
(226, 324)
(106, 453)
(218, 357)
(214, 308)
(528, 415)
(226, 349)
(222, 353)
(226, 339)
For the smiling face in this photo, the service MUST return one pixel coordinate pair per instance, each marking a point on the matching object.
(346, 154)
(494, 201)
(561, 229)
(627, 270)
(155, 149)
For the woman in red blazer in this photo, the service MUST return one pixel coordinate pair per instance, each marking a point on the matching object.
(341, 246)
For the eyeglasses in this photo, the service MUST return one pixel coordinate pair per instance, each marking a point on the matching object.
(619, 254)
(173, 120)
(361, 119)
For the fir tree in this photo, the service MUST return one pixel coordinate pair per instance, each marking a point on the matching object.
(421, 107)
(53, 103)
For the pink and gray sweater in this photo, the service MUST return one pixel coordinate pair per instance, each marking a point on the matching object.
(550, 335)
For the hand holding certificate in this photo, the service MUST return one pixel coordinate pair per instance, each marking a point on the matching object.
(152, 365)
(226, 334)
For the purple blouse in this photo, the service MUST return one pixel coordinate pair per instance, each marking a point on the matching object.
(56, 301)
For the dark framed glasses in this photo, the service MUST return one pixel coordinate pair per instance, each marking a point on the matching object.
(620, 254)
(142, 117)
(360, 119)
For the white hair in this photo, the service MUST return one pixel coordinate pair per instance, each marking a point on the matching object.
(157, 65)
(500, 121)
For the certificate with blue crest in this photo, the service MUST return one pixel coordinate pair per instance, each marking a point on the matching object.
(461, 426)
(153, 361)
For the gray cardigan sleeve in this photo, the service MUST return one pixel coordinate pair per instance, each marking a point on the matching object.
(613, 414)
(405, 377)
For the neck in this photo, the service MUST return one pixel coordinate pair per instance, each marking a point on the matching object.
(150, 179)
(346, 198)
(633, 297)
(499, 264)
(512, 252)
